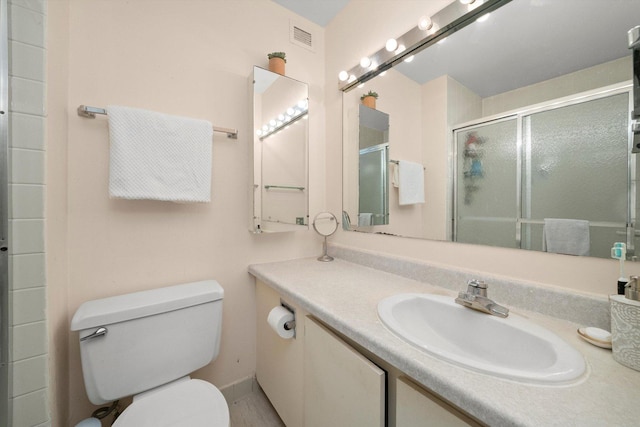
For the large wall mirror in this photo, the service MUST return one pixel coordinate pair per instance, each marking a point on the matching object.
(520, 123)
(280, 153)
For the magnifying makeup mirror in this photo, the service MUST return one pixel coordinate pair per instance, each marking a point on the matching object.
(325, 224)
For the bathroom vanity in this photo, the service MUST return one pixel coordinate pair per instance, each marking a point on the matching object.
(344, 357)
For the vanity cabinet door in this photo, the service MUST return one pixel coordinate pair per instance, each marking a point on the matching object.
(342, 388)
(416, 407)
(279, 364)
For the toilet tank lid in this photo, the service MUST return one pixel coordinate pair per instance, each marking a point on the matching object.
(135, 305)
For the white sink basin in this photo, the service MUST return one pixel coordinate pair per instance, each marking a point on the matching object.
(512, 347)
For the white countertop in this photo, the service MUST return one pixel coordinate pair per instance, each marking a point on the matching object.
(345, 296)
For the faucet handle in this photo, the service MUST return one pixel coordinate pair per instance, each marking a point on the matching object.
(477, 283)
(477, 287)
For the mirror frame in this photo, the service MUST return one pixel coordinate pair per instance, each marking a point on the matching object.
(257, 186)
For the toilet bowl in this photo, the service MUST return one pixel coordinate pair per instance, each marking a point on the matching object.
(145, 345)
(185, 403)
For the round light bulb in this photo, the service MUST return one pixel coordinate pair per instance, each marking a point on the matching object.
(272, 122)
(483, 17)
(302, 104)
(259, 132)
(360, 86)
(352, 78)
(400, 49)
(382, 73)
(265, 128)
(365, 62)
(290, 111)
(281, 117)
(343, 76)
(279, 123)
(391, 45)
(425, 23)
(409, 59)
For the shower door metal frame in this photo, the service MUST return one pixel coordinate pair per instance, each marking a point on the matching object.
(478, 124)
(519, 116)
(384, 172)
(4, 214)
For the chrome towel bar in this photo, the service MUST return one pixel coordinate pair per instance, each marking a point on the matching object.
(90, 112)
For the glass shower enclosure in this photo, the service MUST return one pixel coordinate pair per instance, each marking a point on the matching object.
(4, 216)
(564, 160)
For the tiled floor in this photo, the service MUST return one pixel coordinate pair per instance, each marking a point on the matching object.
(254, 410)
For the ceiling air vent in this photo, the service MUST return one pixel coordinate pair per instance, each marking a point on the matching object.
(301, 37)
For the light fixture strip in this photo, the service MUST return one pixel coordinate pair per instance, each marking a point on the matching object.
(446, 21)
(294, 119)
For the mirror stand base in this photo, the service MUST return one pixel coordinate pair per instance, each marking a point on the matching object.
(325, 258)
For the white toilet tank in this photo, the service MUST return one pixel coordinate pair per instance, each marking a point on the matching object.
(151, 338)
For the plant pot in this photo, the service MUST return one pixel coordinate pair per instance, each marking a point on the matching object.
(276, 65)
(369, 101)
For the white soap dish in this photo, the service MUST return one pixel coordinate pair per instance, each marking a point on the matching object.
(596, 336)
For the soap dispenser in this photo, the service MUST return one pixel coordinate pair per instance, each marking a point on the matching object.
(625, 325)
(631, 289)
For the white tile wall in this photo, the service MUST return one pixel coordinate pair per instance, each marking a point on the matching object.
(27, 61)
(30, 375)
(26, 25)
(31, 304)
(27, 96)
(27, 271)
(27, 201)
(30, 409)
(29, 340)
(27, 236)
(27, 75)
(27, 131)
(27, 166)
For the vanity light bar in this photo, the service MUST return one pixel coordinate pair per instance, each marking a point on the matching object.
(291, 116)
(444, 23)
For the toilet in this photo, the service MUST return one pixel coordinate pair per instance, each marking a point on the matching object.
(145, 344)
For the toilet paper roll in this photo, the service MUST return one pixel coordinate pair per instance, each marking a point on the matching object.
(278, 316)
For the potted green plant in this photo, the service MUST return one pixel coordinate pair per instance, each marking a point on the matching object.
(277, 61)
(369, 99)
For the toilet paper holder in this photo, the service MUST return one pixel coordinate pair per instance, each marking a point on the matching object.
(291, 324)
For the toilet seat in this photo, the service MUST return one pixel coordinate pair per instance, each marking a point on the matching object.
(189, 403)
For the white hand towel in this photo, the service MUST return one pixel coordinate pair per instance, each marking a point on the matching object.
(411, 183)
(395, 178)
(566, 236)
(365, 219)
(159, 157)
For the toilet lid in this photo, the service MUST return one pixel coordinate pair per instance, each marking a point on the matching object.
(192, 403)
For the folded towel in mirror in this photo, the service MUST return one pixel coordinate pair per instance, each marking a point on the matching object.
(410, 183)
(566, 236)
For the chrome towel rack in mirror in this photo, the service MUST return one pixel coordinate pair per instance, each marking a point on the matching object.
(90, 112)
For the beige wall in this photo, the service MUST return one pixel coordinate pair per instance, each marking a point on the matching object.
(347, 44)
(189, 58)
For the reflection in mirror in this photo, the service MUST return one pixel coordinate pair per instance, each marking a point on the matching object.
(373, 155)
(280, 147)
(515, 135)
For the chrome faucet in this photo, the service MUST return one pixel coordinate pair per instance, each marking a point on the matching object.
(476, 298)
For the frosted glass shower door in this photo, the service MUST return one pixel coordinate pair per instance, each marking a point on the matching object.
(576, 165)
(486, 189)
(374, 183)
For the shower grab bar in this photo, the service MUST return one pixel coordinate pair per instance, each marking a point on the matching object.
(90, 113)
(284, 187)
